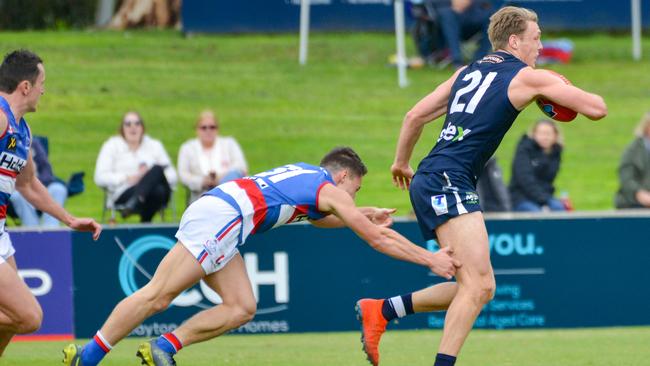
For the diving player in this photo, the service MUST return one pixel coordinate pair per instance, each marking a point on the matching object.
(214, 226)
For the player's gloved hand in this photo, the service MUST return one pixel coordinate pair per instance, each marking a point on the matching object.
(443, 264)
(402, 175)
(86, 224)
(382, 216)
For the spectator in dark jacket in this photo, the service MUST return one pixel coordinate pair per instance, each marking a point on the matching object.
(58, 190)
(534, 168)
(634, 170)
(492, 192)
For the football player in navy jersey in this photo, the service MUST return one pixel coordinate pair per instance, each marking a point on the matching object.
(480, 101)
(214, 226)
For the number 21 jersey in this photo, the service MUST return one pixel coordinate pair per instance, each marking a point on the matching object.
(479, 114)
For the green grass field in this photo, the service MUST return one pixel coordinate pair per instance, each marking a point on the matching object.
(282, 113)
(582, 347)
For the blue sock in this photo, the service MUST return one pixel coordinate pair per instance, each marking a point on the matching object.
(95, 350)
(444, 360)
(397, 307)
(169, 343)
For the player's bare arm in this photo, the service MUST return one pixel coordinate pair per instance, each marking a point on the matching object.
(3, 123)
(35, 193)
(531, 83)
(379, 216)
(376, 215)
(426, 110)
(382, 239)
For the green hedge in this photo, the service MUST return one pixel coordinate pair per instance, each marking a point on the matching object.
(46, 14)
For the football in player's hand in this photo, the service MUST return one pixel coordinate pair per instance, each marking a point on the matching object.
(554, 110)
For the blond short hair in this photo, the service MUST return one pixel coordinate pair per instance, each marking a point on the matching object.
(507, 21)
(207, 113)
(643, 126)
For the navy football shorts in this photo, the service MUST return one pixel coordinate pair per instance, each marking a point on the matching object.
(438, 197)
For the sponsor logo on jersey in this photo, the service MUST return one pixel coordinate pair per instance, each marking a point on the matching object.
(298, 218)
(493, 59)
(549, 110)
(439, 204)
(11, 144)
(11, 162)
(453, 133)
(471, 198)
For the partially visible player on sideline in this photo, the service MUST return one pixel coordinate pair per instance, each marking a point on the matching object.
(214, 226)
(481, 102)
(22, 78)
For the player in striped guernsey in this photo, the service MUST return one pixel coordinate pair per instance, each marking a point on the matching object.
(22, 78)
(212, 228)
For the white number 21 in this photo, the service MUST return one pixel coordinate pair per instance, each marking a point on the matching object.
(476, 77)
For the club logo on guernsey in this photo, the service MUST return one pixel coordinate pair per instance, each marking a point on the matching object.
(453, 133)
(11, 162)
(493, 59)
(11, 144)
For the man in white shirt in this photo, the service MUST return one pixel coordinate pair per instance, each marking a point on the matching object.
(209, 160)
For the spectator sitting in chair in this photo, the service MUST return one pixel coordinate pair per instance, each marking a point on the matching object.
(534, 168)
(135, 170)
(460, 21)
(58, 190)
(492, 192)
(209, 160)
(634, 170)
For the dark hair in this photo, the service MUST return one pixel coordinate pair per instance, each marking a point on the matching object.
(16, 67)
(343, 157)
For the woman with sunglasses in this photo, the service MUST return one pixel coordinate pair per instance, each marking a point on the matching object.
(208, 160)
(135, 169)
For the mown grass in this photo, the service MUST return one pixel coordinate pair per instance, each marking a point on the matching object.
(562, 347)
(281, 112)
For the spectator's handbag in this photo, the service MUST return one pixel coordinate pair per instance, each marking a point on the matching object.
(76, 184)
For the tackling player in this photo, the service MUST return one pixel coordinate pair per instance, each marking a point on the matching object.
(214, 226)
(481, 102)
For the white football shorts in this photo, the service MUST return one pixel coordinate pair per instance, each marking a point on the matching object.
(211, 230)
(6, 248)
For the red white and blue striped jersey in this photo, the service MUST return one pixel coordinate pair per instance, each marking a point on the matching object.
(275, 197)
(14, 149)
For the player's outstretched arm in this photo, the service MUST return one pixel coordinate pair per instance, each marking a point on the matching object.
(36, 194)
(383, 239)
(376, 215)
(328, 222)
(426, 110)
(530, 84)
